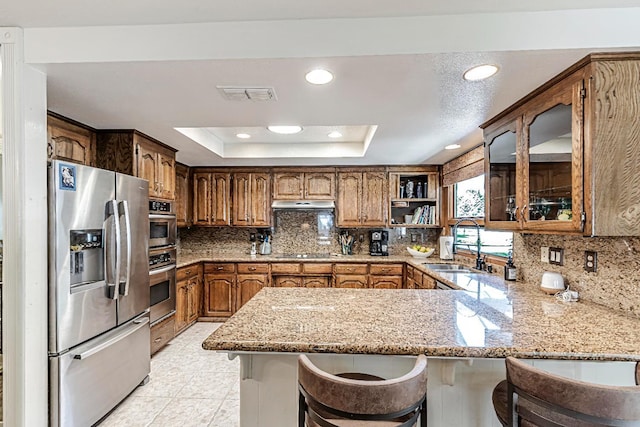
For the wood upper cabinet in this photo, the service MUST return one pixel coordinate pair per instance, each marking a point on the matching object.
(251, 199)
(362, 199)
(188, 296)
(183, 208)
(69, 141)
(133, 153)
(577, 153)
(296, 185)
(211, 198)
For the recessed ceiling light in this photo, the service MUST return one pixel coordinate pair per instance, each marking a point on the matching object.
(452, 147)
(243, 135)
(334, 134)
(319, 77)
(480, 72)
(285, 130)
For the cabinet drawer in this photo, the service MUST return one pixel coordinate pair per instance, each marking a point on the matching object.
(251, 268)
(188, 271)
(317, 268)
(285, 268)
(219, 268)
(162, 333)
(386, 269)
(350, 268)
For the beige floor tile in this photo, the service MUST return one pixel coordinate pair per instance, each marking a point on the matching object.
(136, 412)
(187, 413)
(228, 415)
(209, 385)
(165, 382)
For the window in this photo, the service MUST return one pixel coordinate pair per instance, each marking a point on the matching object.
(468, 201)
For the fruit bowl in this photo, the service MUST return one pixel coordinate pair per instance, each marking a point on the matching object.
(418, 254)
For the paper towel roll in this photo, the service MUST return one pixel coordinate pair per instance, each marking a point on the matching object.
(446, 247)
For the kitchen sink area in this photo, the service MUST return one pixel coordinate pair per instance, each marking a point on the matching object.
(448, 268)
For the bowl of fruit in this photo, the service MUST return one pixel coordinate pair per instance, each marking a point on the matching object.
(420, 251)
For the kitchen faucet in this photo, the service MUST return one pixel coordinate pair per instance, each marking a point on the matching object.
(479, 261)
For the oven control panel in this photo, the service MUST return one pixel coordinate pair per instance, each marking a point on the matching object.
(158, 206)
(161, 258)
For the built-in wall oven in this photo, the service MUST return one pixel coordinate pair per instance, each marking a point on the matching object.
(162, 224)
(162, 282)
(162, 259)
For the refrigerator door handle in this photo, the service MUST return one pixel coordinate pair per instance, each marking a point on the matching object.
(111, 265)
(133, 327)
(123, 282)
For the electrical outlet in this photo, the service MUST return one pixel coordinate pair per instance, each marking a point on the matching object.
(414, 238)
(361, 238)
(544, 254)
(591, 261)
(252, 237)
(556, 256)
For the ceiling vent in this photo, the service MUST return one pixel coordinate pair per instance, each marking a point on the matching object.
(238, 93)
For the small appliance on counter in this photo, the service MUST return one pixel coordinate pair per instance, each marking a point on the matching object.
(265, 246)
(552, 282)
(379, 243)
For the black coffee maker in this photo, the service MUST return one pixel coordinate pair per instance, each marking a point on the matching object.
(379, 243)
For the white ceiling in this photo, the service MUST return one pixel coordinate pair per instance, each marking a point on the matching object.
(401, 71)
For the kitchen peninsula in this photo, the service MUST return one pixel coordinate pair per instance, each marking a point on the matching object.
(466, 334)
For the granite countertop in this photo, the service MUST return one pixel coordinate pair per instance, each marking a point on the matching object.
(487, 317)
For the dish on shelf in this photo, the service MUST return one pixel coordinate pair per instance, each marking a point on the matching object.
(419, 254)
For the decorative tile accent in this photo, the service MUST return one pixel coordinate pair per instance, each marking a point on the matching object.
(616, 284)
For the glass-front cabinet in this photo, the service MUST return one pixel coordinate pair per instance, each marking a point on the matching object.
(534, 163)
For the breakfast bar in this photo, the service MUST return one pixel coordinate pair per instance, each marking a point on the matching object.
(466, 333)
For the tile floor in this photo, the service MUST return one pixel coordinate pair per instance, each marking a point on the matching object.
(188, 386)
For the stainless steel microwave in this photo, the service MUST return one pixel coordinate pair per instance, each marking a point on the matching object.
(162, 230)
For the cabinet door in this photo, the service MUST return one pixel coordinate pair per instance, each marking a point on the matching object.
(288, 186)
(183, 199)
(220, 198)
(316, 282)
(260, 199)
(147, 168)
(349, 199)
(69, 142)
(182, 305)
(195, 296)
(287, 281)
(167, 175)
(427, 282)
(552, 141)
(248, 286)
(219, 295)
(202, 198)
(374, 199)
(385, 282)
(503, 197)
(320, 186)
(351, 281)
(241, 199)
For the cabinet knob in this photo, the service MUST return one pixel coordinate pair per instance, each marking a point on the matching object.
(188, 272)
(220, 268)
(252, 269)
(158, 339)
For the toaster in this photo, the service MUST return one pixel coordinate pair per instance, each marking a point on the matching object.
(552, 282)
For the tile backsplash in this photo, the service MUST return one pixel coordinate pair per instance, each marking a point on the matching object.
(615, 284)
(297, 232)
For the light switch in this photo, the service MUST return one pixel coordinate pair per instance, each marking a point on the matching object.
(556, 256)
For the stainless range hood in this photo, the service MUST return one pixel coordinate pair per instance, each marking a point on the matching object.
(303, 204)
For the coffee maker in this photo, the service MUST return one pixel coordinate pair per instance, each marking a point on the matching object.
(379, 243)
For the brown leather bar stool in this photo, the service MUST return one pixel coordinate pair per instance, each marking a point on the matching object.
(532, 397)
(328, 400)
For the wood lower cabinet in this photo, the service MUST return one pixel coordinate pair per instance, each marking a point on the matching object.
(162, 332)
(183, 208)
(385, 276)
(358, 281)
(211, 198)
(316, 281)
(248, 285)
(287, 281)
(189, 292)
(69, 141)
(409, 282)
(219, 289)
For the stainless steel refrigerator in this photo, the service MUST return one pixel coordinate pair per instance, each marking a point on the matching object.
(99, 348)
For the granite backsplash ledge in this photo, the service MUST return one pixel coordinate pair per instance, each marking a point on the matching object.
(615, 284)
(298, 232)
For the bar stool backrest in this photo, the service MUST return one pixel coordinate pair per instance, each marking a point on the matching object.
(546, 399)
(338, 397)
